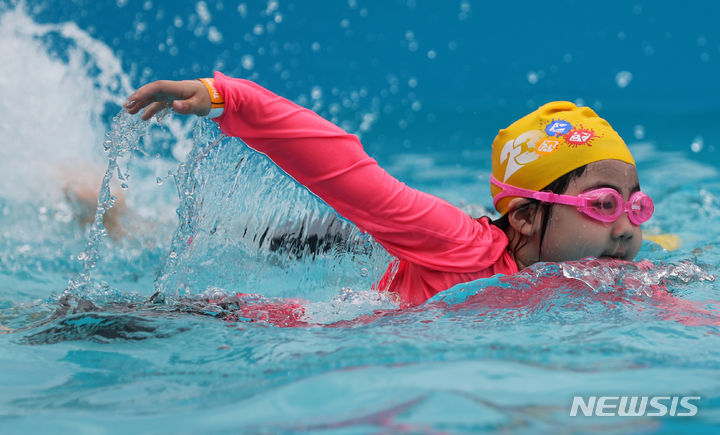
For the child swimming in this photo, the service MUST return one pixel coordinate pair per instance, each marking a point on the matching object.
(563, 180)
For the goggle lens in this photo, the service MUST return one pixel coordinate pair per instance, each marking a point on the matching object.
(641, 208)
(607, 205)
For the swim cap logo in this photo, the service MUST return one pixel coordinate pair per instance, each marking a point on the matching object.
(547, 146)
(558, 128)
(520, 151)
(580, 136)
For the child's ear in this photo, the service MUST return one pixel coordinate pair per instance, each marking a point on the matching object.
(523, 216)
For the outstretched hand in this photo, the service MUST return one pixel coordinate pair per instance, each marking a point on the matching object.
(187, 97)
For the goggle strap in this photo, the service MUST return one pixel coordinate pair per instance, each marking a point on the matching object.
(509, 190)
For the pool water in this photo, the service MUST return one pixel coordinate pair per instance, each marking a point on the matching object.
(193, 317)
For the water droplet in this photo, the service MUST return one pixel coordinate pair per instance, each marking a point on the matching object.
(639, 132)
(532, 77)
(214, 35)
(623, 78)
(159, 180)
(364, 271)
(248, 62)
(82, 256)
(697, 144)
(124, 185)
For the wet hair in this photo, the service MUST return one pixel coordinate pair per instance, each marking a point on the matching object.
(559, 186)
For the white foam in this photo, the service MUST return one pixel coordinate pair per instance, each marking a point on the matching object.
(52, 105)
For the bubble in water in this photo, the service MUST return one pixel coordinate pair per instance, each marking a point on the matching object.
(364, 271)
(623, 78)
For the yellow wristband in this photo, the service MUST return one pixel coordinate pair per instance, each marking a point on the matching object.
(217, 102)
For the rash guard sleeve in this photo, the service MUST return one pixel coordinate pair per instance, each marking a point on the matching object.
(411, 225)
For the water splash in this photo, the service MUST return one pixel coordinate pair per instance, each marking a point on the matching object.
(575, 281)
(642, 277)
(119, 142)
(245, 225)
(242, 224)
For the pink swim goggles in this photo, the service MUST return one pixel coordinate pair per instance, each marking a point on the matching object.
(604, 204)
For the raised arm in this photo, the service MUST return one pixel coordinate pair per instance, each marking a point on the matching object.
(332, 164)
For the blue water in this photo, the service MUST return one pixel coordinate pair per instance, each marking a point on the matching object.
(146, 332)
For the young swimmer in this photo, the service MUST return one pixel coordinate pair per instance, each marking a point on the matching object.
(563, 180)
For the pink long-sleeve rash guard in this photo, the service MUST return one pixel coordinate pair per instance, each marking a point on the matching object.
(436, 244)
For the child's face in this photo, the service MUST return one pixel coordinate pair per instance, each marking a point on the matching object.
(571, 235)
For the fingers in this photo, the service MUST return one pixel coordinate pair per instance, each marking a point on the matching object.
(198, 104)
(185, 97)
(162, 90)
(153, 109)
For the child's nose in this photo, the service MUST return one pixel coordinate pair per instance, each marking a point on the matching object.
(622, 228)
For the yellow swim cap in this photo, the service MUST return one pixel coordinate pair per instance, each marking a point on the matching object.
(546, 144)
